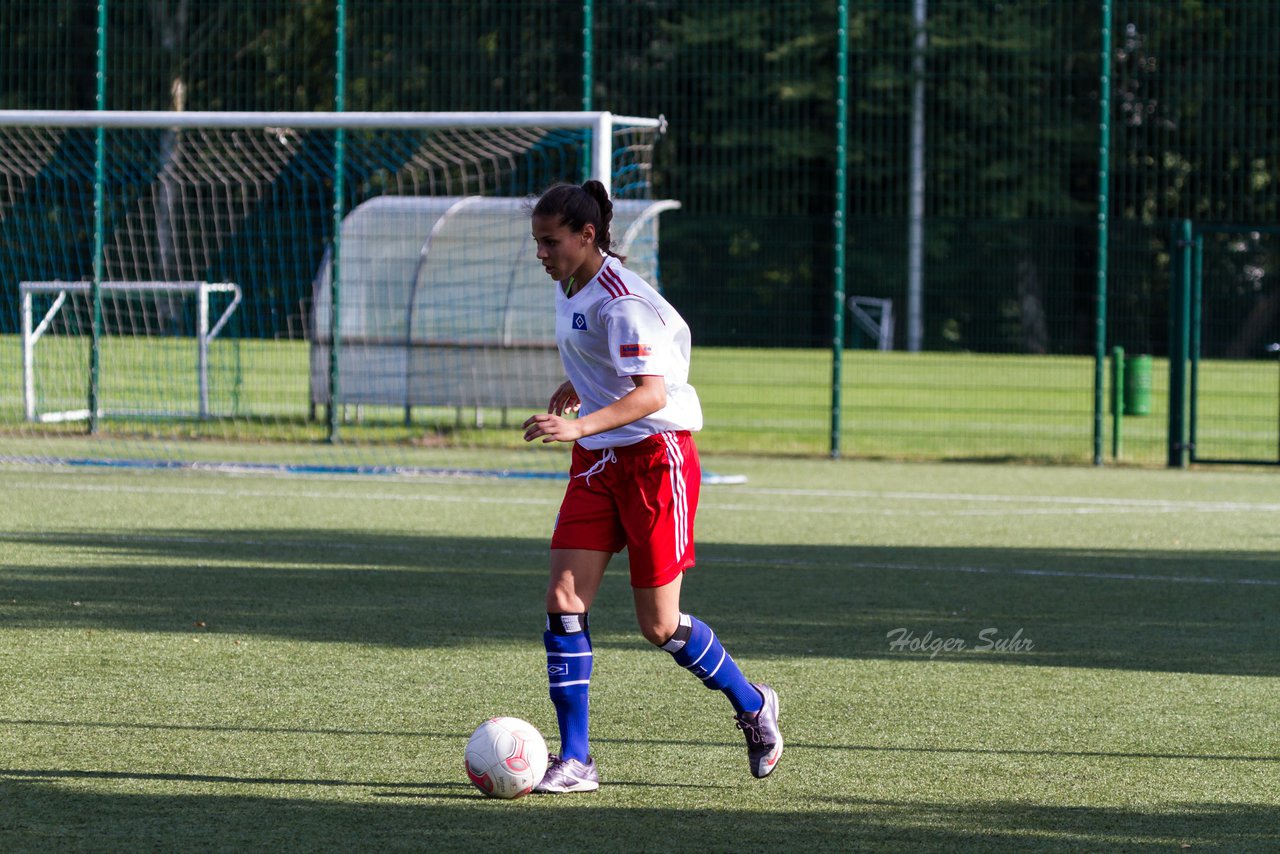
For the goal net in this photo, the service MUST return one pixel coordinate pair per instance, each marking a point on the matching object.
(157, 344)
(302, 288)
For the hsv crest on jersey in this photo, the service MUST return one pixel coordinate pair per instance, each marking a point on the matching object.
(579, 322)
(633, 351)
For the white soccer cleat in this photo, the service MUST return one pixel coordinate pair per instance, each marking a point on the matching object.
(568, 775)
(764, 738)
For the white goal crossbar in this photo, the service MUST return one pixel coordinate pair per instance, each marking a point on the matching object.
(32, 331)
(601, 123)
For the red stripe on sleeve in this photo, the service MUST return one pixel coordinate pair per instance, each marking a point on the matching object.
(613, 283)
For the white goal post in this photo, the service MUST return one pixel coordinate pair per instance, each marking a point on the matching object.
(32, 332)
(600, 122)
(139, 215)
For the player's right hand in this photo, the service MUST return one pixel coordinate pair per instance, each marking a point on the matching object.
(552, 428)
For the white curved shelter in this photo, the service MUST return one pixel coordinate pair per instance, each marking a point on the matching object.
(443, 303)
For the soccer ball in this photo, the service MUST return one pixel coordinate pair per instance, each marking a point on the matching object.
(506, 757)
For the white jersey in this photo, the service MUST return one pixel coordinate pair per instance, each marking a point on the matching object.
(618, 327)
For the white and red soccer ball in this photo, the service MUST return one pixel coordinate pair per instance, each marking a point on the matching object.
(506, 757)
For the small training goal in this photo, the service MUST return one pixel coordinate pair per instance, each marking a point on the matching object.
(155, 343)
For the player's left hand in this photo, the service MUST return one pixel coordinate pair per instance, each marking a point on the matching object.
(552, 428)
(565, 400)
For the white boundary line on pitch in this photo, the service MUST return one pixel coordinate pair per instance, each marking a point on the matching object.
(845, 510)
(1034, 573)
(93, 539)
(1059, 505)
(1154, 503)
(256, 493)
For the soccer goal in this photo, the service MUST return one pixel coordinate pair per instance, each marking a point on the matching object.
(381, 266)
(150, 328)
(872, 316)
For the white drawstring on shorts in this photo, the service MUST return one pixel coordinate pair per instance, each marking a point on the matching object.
(605, 458)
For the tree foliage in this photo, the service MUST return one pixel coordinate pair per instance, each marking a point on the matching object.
(749, 89)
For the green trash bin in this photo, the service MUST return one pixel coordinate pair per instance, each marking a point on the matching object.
(1137, 385)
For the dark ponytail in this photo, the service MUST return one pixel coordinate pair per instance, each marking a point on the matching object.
(596, 191)
(578, 205)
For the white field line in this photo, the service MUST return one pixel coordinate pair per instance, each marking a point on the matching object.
(1049, 505)
(1017, 571)
(125, 540)
(846, 510)
(278, 494)
(90, 539)
(1152, 503)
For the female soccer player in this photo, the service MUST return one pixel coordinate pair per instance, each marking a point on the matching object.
(633, 482)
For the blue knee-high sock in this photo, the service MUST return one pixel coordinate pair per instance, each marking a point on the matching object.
(569, 659)
(697, 649)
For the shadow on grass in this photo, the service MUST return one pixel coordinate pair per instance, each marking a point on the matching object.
(47, 812)
(1203, 612)
(792, 745)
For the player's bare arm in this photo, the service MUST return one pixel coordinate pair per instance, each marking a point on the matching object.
(648, 396)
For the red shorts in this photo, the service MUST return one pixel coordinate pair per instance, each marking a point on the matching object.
(642, 497)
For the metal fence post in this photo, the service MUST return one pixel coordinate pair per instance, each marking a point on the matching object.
(588, 75)
(1117, 402)
(339, 172)
(1104, 212)
(99, 224)
(838, 223)
(1179, 333)
(1193, 341)
(1274, 347)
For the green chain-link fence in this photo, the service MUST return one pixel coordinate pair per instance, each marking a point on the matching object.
(973, 186)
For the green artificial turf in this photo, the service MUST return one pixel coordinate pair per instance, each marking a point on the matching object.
(191, 661)
(937, 405)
